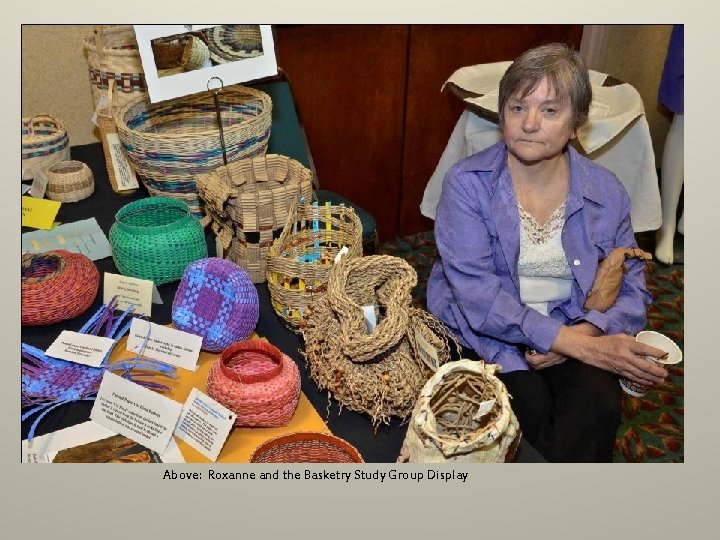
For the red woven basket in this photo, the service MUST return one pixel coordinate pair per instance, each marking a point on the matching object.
(257, 382)
(56, 285)
(306, 447)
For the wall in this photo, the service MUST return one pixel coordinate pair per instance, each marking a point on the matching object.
(55, 78)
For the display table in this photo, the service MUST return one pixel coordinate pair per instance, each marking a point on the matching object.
(382, 445)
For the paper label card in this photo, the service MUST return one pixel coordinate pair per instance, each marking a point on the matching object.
(370, 318)
(39, 185)
(169, 345)
(80, 348)
(84, 236)
(124, 174)
(132, 410)
(204, 424)
(39, 213)
(427, 353)
(129, 290)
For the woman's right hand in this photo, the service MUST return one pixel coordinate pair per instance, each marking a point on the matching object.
(617, 353)
(623, 355)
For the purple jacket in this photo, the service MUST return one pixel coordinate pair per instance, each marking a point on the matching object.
(474, 286)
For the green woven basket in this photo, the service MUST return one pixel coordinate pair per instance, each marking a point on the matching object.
(156, 238)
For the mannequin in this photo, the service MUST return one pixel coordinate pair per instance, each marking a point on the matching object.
(672, 177)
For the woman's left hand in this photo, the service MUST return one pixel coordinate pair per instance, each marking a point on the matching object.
(542, 361)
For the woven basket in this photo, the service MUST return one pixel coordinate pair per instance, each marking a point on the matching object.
(231, 42)
(56, 285)
(248, 202)
(45, 141)
(106, 125)
(168, 52)
(113, 54)
(156, 238)
(171, 142)
(216, 300)
(306, 447)
(381, 372)
(195, 55)
(299, 262)
(257, 382)
(462, 414)
(69, 181)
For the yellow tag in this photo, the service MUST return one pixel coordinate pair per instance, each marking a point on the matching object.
(39, 213)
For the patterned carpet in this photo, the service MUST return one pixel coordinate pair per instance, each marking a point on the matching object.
(652, 426)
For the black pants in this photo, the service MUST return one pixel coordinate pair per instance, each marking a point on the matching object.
(569, 412)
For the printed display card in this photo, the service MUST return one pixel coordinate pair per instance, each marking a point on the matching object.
(80, 348)
(84, 236)
(169, 345)
(124, 174)
(39, 213)
(132, 410)
(204, 424)
(129, 290)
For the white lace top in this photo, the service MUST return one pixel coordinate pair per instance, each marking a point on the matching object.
(542, 267)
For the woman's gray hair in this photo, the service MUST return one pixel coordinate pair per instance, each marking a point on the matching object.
(566, 73)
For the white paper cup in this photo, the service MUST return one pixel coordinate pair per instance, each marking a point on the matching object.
(659, 341)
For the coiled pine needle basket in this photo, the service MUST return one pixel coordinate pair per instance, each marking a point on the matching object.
(306, 447)
(56, 285)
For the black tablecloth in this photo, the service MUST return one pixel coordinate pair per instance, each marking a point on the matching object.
(380, 446)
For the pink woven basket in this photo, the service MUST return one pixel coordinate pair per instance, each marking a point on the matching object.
(257, 382)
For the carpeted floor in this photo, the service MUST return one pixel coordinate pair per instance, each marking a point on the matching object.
(652, 426)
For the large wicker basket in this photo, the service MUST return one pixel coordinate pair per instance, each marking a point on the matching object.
(306, 447)
(299, 262)
(171, 142)
(248, 202)
(44, 142)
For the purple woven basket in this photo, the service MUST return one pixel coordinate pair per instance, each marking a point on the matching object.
(217, 301)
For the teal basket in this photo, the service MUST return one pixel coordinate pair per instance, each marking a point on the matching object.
(156, 238)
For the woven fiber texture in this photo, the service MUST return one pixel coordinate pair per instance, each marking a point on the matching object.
(195, 54)
(257, 382)
(156, 238)
(171, 142)
(168, 52)
(462, 414)
(56, 285)
(45, 141)
(379, 372)
(299, 261)
(231, 42)
(216, 300)
(248, 202)
(306, 447)
(69, 181)
(113, 54)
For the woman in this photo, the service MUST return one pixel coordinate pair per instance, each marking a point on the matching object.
(520, 229)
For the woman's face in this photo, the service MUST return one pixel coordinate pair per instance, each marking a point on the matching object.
(538, 126)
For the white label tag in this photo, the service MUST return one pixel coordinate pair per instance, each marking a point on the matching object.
(370, 318)
(132, 410)
(204, 424)
(218, 247)
(169, 345)
(156, 298)
(343, 251)
(80, 348)
(124, 174)
(484, 408)
(39, 184)
(428, 354)
(129, 290)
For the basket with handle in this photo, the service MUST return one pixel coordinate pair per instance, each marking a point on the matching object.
(45, 142)
(306, 447)
(248, 202)
(171, 142)
(113, 54)
(299, 261)
(256, 381)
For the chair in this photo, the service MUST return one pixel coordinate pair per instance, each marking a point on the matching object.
(288, 138)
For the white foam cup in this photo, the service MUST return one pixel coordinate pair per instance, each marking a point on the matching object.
(659, 341)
